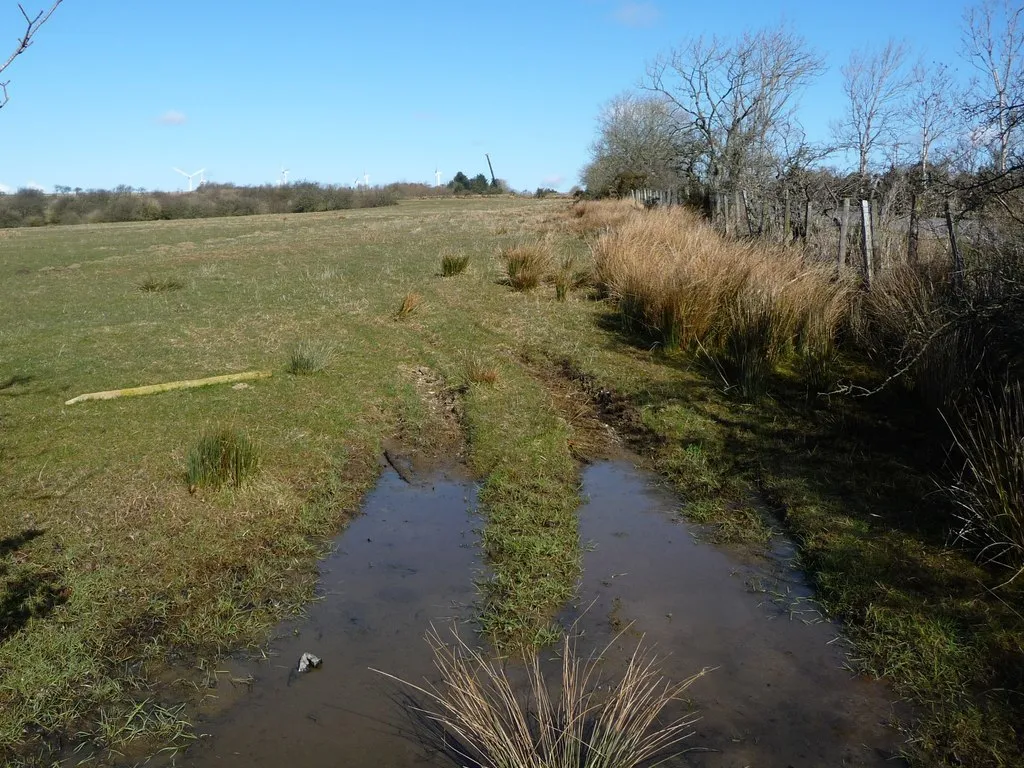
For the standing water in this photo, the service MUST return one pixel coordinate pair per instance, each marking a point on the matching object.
(407, 561)
(780, 695)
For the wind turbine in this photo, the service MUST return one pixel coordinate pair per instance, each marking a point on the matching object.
(284, 176)
(190, 176)
(437, 177)
(366, 179)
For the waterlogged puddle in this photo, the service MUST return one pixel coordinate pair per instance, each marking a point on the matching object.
(407, 561)
(780, 695)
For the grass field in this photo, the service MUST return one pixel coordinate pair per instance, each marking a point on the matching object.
(113, 565)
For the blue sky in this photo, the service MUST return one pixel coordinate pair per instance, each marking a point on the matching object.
(120, 92)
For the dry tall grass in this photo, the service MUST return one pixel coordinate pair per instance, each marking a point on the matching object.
(746, 303)
(590, 217)
(587, 722)
(527, 263)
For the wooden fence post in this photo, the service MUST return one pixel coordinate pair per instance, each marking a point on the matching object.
(728, 217)
(736, 208)
(746, 213)
(786, 225)
(867, 239)
(807, 220)
(844, 228)
(958, 258)
(913, 234)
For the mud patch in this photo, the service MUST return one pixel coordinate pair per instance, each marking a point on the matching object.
(782, 695)
(406, 562)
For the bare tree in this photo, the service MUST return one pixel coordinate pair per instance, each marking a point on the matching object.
(32, 25)
(733, 97)
(993, 42)
(875, 85)
(636, 145)
(931, 110)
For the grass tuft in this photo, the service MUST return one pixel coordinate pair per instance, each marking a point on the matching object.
(309, 357)
(220, 457)
(526, 264)
(990, 491)
(588, 721)
(480, 372)
(410, 303)
(453, 264)
(152, 285)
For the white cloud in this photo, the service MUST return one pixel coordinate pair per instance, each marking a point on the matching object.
(34, 185)
(172, 117)
(5, 190)
(553, 180)
(637, 14)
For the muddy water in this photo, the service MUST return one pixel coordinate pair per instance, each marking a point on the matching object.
(407, 561)
(780, 695)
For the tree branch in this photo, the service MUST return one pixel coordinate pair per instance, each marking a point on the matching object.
(33, 23)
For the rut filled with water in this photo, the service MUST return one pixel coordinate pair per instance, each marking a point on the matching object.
(780, 695)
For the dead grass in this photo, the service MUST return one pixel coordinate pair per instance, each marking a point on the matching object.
(527, 263)
(479, 371)
(747, 304)
(410, 303)
(587, 721)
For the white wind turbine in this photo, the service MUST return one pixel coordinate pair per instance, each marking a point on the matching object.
(437, 177)
(366, 179)
(284, 175)
(191, 176)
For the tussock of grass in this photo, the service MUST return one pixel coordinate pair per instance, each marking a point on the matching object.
(479, 371)
(526, 264)
(453, 264)
(746, 304)
(309, 357)
(152, 285)
(588, 721)
(991, 488)
(222, 456)
(410, 303)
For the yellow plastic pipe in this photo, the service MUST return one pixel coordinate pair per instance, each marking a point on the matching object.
(152, 389)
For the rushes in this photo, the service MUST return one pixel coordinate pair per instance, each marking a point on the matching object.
(746, 304)
(152, 285)
(309, 357)
(453, 264)
(526, 264)
(410, 303)
(588, 721)
(223, 456)
(990, 490)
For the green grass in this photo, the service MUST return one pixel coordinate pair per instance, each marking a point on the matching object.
(221, 457)
(453, 264)
(309, 357)
(107, 560)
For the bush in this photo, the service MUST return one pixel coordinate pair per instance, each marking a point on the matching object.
(223, 456)
(410, 303)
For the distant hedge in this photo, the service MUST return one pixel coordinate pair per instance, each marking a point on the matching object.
(34, 208)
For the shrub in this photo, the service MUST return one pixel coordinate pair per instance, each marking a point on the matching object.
(410, 303)
(526, 264)
(309, 357)
(222, 456)
(453, 264)
(588, 721)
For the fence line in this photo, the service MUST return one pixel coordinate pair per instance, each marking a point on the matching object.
(732, 214)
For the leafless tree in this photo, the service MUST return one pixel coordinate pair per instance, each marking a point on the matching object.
(734, 97)
(931, 111)
(875, 85)
(993, 42)
(32, 25)
(636, 145)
